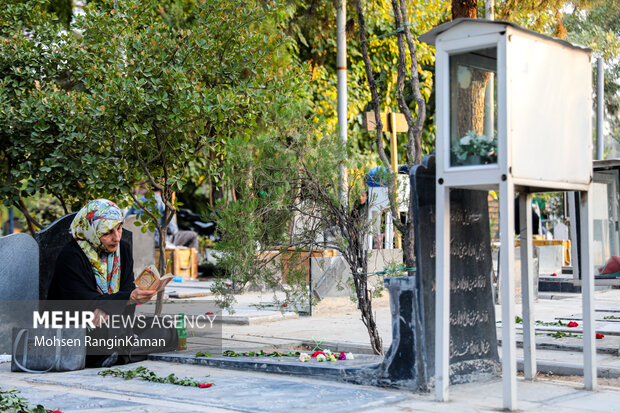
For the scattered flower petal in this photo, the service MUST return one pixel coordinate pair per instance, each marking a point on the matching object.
(573, 324)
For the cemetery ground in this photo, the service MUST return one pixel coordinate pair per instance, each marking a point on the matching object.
(254, 387)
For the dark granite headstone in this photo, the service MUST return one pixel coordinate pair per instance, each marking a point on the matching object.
(473, 336)
(404, 364)
(473, 339)
(51, 241)
(19, 280)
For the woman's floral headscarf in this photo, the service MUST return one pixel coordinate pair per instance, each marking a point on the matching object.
(92, 221)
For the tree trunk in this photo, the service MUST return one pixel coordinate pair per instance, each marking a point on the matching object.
(30, 221)
(470, 114)
(161, 266)
(464, 8)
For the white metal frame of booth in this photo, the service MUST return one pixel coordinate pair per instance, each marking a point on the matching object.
(606, 203)
(573, 171)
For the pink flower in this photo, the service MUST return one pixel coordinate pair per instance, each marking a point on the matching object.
(573, 324)
(203, 385)
(599, 336)
(342, 356)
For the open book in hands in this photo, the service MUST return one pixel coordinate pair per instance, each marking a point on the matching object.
(149, 279)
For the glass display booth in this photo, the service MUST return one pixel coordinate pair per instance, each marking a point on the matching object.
(605, 221)
(514, 115)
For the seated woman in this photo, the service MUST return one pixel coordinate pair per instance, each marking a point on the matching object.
(96, 266)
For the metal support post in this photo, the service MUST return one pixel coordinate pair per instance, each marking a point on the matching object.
(527, 285)
(442, 298)
(587, 288)
(506, 264)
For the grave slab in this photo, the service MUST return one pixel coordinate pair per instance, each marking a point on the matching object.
(240, 391)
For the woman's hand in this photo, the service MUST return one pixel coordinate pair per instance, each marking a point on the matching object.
(100, 317)
(140, 296)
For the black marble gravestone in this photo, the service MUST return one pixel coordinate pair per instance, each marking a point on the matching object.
(473, 339)
(404, 364)
(51, 241)
(473, 335)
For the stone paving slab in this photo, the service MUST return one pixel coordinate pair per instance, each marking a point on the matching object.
(85, 392)
(51, 399)
(239, 391)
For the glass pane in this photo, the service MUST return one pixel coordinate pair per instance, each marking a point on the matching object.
(473, 108)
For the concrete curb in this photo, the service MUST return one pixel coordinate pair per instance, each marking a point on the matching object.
(567, 347)
(257, 319)
(567, 369)
(337, 372)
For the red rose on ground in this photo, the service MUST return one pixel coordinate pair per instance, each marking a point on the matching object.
(573, 324)
(554, 275)
(228, 285)
(599, 335)
(316, 353)
(204, 385)
(209, 313)
(284, 305)
(56, 411)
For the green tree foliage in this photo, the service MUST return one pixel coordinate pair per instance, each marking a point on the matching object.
(545, 16)
(313, 26)
(44, 113)
(167, 95)
(63, 9)
(599, 29)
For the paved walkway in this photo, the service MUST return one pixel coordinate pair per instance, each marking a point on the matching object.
(85, 391)
(337, 322)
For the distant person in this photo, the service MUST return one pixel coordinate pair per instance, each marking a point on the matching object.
(535, 220)
(360, 207)
(17, 227)
(175, 237)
